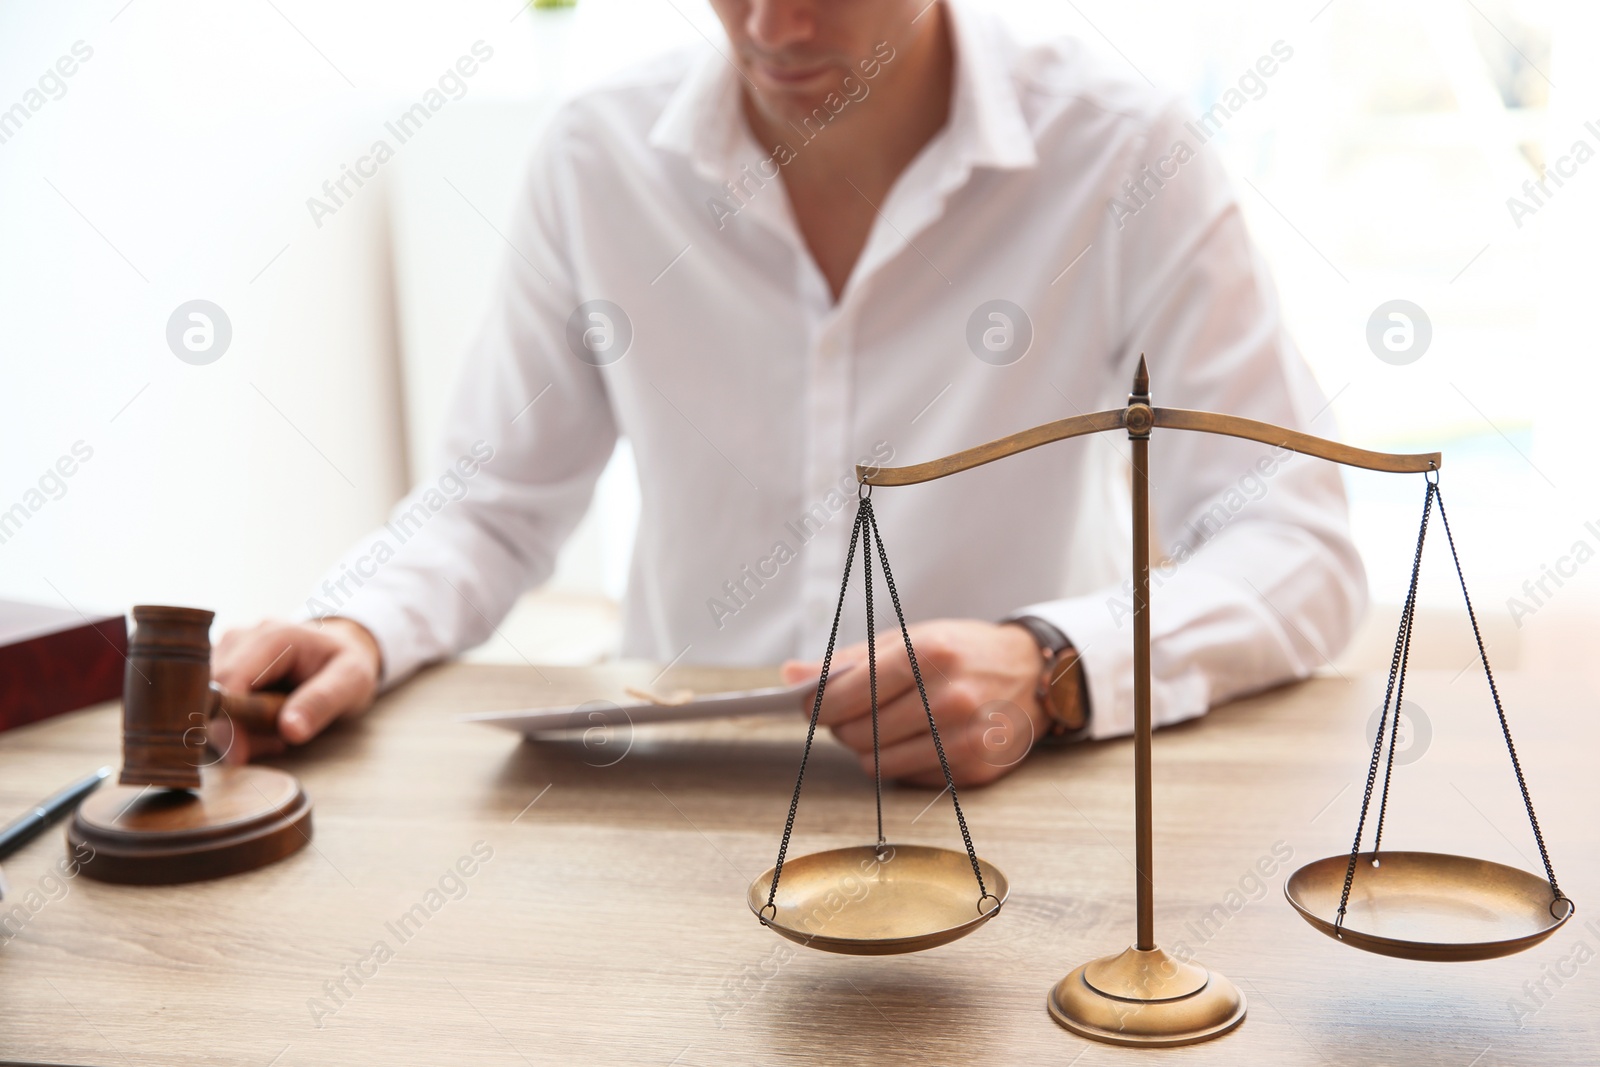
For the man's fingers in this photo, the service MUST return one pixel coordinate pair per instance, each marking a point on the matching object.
(224, 644)
(849, 696)
(334, 671)
(343, 685)
(258, 658)
(913, 756)
(795, 671)
(916, 759)
(904, 718)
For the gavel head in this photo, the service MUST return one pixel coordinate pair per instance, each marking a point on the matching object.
(166, 697)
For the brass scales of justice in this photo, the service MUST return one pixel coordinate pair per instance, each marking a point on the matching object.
(883, 899)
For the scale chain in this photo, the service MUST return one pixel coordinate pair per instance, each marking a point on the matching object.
(865, 522)
(816, 711)
(1407, 626)
(1401, 643)
(1505, 728)
(1396, 690)
(872, 683)
(922, 691)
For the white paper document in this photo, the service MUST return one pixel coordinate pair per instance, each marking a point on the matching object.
(794, 701)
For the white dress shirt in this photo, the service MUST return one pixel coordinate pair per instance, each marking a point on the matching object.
(749, 393)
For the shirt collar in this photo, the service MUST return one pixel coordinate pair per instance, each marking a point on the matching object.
(986, 125)
(704, 120)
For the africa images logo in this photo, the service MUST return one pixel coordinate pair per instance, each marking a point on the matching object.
(599, 332)
(199, 332)
(999, 333)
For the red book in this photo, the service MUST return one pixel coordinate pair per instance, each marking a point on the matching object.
(54, 660)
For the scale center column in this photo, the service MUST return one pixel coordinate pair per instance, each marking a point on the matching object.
(1142, 995)
(1144, 870)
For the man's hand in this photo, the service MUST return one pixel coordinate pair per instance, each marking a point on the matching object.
(981, 679)
(333, 666)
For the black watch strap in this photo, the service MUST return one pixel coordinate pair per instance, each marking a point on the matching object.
(1051, 640)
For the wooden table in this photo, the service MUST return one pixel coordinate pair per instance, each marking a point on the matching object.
(604, 919)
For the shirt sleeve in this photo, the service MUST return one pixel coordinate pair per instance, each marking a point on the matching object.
(529, 430)
(1254, 577)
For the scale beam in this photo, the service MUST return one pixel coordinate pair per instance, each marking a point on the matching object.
(1295, 441)
(1166, 418)
(1077, 426)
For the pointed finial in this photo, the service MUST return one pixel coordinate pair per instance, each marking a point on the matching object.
(1141, 378)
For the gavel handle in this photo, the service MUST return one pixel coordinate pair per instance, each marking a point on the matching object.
(255, 712)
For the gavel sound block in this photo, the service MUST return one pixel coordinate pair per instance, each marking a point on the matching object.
(176, 814)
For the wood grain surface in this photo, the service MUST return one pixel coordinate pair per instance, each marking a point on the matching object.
(471, 898)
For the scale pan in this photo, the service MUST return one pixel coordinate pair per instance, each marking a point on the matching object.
(846, 900)
(1429, 906)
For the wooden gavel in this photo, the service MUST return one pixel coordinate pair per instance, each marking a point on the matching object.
(169, 699)
(200, 820)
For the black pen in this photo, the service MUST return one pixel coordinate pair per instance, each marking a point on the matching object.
(32, 824)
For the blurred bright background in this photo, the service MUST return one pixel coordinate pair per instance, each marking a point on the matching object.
(176, 160)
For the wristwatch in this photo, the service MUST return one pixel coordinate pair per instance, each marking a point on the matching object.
(1062, 692)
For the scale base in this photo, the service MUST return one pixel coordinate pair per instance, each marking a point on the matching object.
(1148, 998)
(239, 819)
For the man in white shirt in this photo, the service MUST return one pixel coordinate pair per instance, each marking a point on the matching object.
(877, 231)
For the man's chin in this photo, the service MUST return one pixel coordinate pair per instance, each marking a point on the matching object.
(792, 108)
